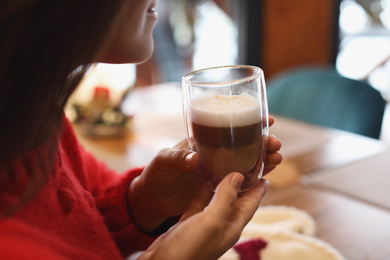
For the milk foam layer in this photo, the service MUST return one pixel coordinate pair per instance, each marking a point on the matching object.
(225, 111)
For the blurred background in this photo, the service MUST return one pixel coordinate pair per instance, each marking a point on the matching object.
(352, 36)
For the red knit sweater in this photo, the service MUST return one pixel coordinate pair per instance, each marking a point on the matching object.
(81, 213)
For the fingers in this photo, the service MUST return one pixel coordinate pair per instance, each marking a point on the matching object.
(225, 195)
(273, 159)
(248, 203)
(273, 144)
(272, 156)
(271, 120)
(191, 161)
(173, 158)
(198, 204)
(228, 208)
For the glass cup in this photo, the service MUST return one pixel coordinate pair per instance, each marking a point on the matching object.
(226, 116)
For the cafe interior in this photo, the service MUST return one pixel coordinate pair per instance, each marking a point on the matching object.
(327, 71)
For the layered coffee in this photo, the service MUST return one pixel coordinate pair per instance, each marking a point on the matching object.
(227, 135)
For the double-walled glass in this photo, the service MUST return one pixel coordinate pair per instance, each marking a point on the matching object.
(226, 117)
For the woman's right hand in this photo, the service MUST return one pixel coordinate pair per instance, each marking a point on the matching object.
(212, 223)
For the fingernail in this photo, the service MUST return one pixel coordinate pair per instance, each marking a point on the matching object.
(237, 180)
(188, 159)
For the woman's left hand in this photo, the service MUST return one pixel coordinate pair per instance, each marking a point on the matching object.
(165, 188)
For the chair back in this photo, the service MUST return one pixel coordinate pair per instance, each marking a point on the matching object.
(324, 97)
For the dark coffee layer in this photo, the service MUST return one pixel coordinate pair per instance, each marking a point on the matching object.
(226, 136)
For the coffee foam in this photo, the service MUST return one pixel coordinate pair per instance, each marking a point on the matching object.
(224, 110)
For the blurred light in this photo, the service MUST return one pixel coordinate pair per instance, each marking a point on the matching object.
(385, 17)
(353, 18)
(358, 56)
(380, 79)
(215, 36)
(118, 78)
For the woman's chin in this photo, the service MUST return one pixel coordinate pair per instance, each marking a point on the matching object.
(119, 58)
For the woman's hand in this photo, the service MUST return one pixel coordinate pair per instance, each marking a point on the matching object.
(165, 188)
(209, 228)
(273, 157)
(169, 183)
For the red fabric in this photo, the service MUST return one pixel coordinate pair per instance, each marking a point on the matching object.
(81, 213)
(250, 250)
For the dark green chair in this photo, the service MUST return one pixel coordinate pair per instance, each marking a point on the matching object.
(323, 97)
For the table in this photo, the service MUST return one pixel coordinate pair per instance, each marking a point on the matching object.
(359, 229)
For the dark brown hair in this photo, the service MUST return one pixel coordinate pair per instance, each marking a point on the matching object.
(45, 48)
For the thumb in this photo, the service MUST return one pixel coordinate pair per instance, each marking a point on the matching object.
(172, 158)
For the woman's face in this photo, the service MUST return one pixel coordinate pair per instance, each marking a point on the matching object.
(133, 40)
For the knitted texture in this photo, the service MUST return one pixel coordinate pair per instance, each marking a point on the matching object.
(80, 213)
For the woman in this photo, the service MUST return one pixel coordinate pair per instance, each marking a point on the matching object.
(56, 200)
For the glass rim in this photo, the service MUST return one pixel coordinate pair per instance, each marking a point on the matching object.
(258, 72)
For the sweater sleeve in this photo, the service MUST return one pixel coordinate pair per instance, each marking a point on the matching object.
(112, 203)
(109, 190)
